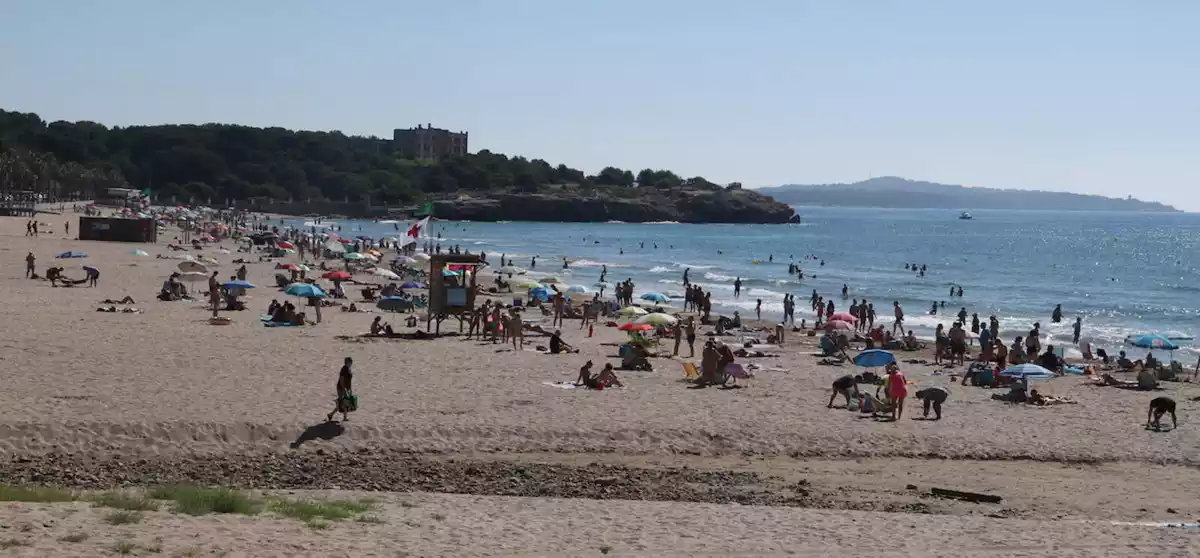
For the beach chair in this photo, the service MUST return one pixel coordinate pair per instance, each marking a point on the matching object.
(690, 371)
(874, 405)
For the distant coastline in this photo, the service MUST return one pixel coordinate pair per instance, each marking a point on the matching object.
(901, 193)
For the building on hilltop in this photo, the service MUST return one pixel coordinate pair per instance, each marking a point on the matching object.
(427, 142)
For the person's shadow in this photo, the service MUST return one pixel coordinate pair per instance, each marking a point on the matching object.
(323, 431)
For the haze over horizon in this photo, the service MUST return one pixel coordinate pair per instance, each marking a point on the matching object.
(1068, 96)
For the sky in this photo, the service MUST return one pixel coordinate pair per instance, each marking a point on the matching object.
(1068, 95)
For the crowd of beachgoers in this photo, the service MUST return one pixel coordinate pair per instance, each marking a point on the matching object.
(341, 355)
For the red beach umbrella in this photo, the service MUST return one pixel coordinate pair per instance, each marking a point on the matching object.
(338, 275)
(635, 327)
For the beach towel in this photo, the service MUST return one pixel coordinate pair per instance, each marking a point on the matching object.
(280, 324)
(561, 385)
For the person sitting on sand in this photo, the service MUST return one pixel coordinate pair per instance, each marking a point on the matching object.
(608, 377)
(1124, 363)
(1016, 353)
(379, 327)
(847, 386)
(557, 345)
(910, 341)
(1151, 362)
(1160, 406)
(585, 376)
(273, 307)
(1049, 360)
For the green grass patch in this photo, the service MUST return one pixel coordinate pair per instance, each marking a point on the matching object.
(197, 500)
(331, 510)
(317, 524)
(371, 519)
(123, 501)
(123, 517)
(124, 548)
(10, 493)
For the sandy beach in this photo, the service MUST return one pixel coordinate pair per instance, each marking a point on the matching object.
(471, 431)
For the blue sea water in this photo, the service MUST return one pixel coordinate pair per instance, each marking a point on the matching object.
(1124, 273)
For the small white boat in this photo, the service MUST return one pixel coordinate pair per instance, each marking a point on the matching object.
(965, 216)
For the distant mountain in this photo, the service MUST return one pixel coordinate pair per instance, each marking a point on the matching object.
(891, 191)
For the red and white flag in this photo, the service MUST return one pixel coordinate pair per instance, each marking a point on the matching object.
(416, 229)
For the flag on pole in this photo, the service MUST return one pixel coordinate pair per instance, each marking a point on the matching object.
(415, 230)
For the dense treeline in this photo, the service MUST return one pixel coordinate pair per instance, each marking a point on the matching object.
(219, 161)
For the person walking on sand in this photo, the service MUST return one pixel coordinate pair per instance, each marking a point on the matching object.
(214, 293)
(30, 263)
(346, 401)
(898, 324)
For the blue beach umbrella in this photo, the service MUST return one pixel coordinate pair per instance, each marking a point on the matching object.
(1028, 372)
(393, 304)
(874, 358)
(656, 297)
(71, 254)
(412, 285)
(1153, 341)
(238, 283)
(306, 290)
(541, 293)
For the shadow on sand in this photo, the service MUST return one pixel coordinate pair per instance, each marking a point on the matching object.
(323, 431)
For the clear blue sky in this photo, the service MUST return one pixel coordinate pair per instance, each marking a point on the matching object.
(1082, 96)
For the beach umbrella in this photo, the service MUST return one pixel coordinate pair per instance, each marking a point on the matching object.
(288, 266)
(577, 289)
(192, 266)
(338, 275)
(511, 269)
(657, 319)
(238, 284)
(421, 256)
(335, 246)
(873, 358)
(405, 260)
(635, 327)
(631, 311)
(1152, 341)
(356, 256)
(303, 268)
(450, 273)
(139, 252)
(1028, 371)
(71, 254)
(541, 293)
(306, 290)
(550, 280)
(412, 285)
(656, 297)
(838, 324)
(844, 316)
(527, 284)
(385, 273)
(287, 245)
(192, 276)
(393, 304)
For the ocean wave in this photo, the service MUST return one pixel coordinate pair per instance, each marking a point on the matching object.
(321, 225)
(711, 276)
(661, 269)
(682, 265)
(592, 263)
(661, 223)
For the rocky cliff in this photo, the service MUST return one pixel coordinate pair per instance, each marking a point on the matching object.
(631, 206)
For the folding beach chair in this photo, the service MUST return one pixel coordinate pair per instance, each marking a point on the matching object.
(690, 372)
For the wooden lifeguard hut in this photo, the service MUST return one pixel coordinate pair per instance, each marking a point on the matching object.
(452, 295)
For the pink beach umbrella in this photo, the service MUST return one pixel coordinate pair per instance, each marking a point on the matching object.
(844, 316)
(838, 324)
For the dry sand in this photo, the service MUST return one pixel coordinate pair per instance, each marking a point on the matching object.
(164, 384)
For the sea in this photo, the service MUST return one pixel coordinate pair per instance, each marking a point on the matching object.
(1123, 273)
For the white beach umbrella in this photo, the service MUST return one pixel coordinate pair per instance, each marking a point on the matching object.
(512, 269)
(657, 318)
(631, 311)
(385, 273)
(422, 256)
(192, 276)
(193, 266)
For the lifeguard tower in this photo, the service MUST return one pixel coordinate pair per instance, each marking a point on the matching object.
(453, 293)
